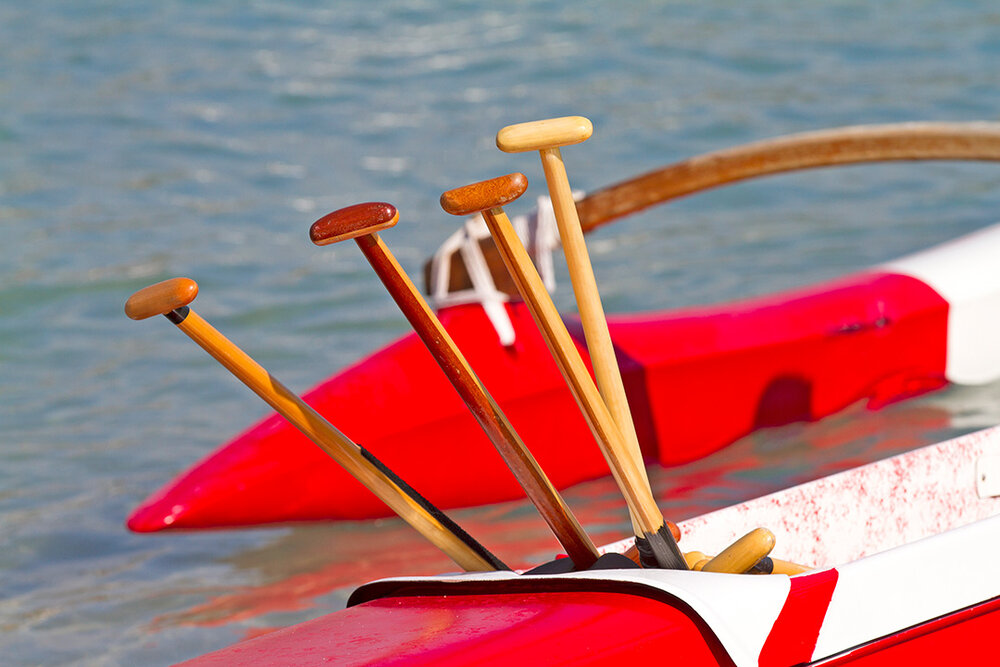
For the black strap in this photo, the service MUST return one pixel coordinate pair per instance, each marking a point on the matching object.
(660, 549)
(179, 315)
(452, 527)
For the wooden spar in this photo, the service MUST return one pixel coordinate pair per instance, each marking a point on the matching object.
(809, 150)
(362, 222)
(171, 298)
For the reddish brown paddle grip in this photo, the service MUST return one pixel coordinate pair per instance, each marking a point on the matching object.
(353, 221)
(484, 195)
(161, 298)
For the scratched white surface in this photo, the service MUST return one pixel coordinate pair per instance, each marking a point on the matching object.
(866, 510)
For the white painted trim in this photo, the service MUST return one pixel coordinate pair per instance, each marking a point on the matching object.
(966, 273)
(740, 609)
(893, 590)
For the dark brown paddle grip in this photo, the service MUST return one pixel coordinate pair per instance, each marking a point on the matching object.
(353, 221)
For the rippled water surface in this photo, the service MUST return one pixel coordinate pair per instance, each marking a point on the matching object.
(139, 141)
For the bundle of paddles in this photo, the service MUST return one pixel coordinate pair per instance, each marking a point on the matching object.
(604, 404)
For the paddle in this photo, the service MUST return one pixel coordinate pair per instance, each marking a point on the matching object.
(807, 150)
(362, 222)
(657, 546)
(171, 298)
(742, 554)
(752, 548)
(547, 136)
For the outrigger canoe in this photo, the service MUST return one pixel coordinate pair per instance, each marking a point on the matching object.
(902, 573)
(697, 379)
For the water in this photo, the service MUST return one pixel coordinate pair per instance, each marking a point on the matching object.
(143, 141)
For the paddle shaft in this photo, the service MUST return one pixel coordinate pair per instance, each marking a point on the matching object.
(332, 441)
(491, 418)
(588, 301)
(634, 487)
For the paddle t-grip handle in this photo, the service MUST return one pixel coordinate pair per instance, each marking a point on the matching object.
(484, 195)
(543, 134)
(352, 222)
(161, 298)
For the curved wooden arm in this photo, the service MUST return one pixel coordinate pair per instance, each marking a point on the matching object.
(809, 150)
(827, 148)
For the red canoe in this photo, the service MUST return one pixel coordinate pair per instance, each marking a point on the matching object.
(697, 379)
(903, 576)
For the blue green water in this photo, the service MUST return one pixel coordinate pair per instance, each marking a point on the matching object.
(139, 141)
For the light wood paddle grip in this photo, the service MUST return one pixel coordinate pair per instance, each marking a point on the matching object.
(744, 553)
(542, 134)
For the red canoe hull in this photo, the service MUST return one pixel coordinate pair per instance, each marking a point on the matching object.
(697, 380)
(579, 627)
(887, 588)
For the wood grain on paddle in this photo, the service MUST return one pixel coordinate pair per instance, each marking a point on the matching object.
(445, 351)
(632, 483)
(163, 298)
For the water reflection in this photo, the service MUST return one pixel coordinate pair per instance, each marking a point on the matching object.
(314, 568)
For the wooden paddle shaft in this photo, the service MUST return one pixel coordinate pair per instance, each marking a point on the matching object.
(634, 487)
(332, 441)
(547, 136)
(491, 418)
(588, 300)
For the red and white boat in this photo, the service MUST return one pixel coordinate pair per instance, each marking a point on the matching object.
(903, 575)
(697, 379)
(897, 551)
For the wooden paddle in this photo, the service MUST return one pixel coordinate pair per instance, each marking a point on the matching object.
(656, 544)
(742, 554)
(547, 137)
(808, 150)
(171, 298)
(756, 544)
(362, 222)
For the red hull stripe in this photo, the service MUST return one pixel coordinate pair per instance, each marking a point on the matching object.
(568, 628)
(963, 637)
(794, 634)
